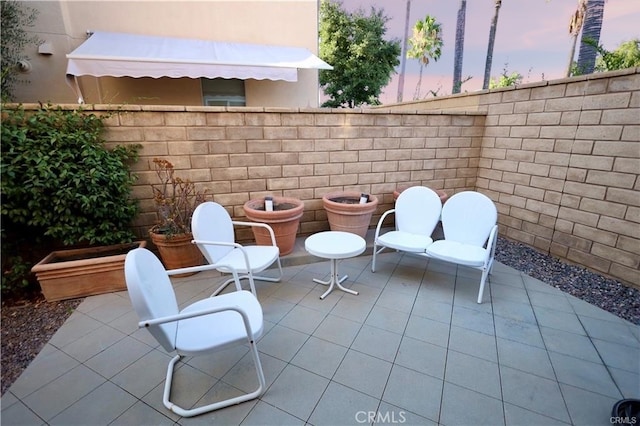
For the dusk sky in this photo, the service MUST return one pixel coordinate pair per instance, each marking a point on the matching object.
(532, 38)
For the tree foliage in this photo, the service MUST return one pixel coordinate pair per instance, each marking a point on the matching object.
(506, 79)
(59, 179)
(425, 44)
(363, 61)
(627, 55)
(16, 17)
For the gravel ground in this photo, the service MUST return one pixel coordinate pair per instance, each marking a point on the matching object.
(27, 326)
(606, 293)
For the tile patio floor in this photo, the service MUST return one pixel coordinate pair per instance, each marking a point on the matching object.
(412, 348)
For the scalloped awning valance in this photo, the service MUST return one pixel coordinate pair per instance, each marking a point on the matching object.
(135, 55)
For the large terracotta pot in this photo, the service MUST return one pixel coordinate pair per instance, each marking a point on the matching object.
(346, 214)
(177, 251)
(69, 274)
(284, 220)
(443, 195)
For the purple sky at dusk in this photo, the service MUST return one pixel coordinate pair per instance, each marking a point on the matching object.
(532, 38)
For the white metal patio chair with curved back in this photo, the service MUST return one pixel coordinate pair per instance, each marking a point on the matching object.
(469, 222)
(417, 212)
(203, 327)
(213, 232)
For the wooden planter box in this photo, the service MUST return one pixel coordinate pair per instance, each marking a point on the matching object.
(69, 274)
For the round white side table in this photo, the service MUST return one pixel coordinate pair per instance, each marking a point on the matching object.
(335, 245)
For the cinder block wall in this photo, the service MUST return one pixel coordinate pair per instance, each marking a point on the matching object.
(562, 158)
(237, 154)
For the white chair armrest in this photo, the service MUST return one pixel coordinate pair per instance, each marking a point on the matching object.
(209, 267)
(191, 269)
(492, 242)
(258, 225)
(247, 264)
(216, 243)
(210, 311)
(381, 220)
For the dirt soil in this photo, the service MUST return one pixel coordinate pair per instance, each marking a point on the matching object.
(27, 325)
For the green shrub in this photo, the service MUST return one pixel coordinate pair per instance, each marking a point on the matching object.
(58, 176)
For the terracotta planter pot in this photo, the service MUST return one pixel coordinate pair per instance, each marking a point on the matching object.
(69, 274)
(443, 195)
(177, 251)
(284, 220)
(346, 214)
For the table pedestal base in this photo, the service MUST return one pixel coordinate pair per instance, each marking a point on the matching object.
(334, 281)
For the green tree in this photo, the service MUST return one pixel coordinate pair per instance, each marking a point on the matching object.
(59, 178)
(590, 36)
(627, 55)
(506, 79)
(426, 43)
(363, 61)
(13, 39)
(492, 39)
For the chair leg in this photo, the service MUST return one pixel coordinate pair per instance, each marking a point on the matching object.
(216, 405)
(373, 260)
(491, 265)
(270, 279)
(251, 281)
(376, 251)
(483, 280)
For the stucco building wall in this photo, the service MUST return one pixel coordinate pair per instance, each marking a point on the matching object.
(64, 25)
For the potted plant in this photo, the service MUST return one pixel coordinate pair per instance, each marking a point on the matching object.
(176, 200)
(349, 211)
(282, 214)
(62, 187)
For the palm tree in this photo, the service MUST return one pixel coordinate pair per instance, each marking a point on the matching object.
(403, 55)
(590, 31)
(457, 62)
(425, 43)
(492, 39)
(575, 25)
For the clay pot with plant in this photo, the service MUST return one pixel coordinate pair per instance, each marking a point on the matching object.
(350, 211)
(176, 199)
(283, 215)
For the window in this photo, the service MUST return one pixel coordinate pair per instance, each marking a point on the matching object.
(223, 92)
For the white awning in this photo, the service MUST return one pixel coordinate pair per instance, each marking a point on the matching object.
(133, 55)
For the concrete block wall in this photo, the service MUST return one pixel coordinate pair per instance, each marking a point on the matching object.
(568, 160)
(562, 161)
(237, 154)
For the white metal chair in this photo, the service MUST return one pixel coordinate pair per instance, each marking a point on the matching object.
(417, 212)
(213, 232)
(203, 327)
(469, 222)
